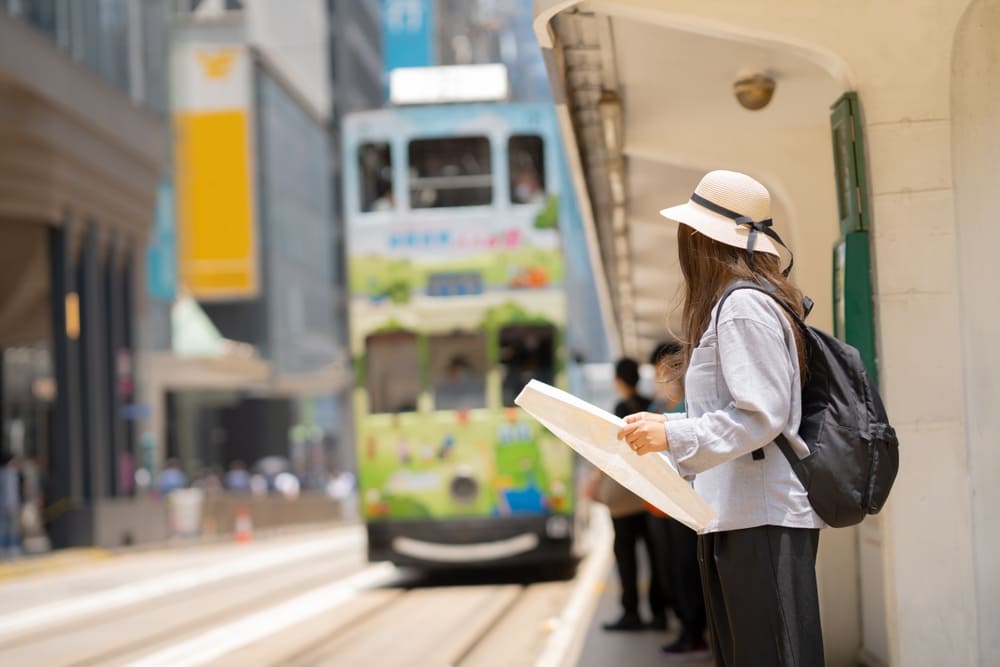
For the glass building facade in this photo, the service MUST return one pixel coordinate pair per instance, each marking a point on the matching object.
(84, 91)
(296, 214)
(123, 41)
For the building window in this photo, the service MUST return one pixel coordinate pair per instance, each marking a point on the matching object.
(458, 370)
(375, 174)
(450, 172)
(393, 372)
(527, 352)
(526, 164)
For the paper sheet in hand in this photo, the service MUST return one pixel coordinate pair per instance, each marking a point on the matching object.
(593, 433)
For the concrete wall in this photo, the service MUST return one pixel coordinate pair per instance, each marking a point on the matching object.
(267, 512)
(126, 521)
(680, 112)
(975, 154)
(130, 521)
(930, 124)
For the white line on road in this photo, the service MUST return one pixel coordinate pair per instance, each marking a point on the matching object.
(566, 641)
(230, 566)
(232, 636)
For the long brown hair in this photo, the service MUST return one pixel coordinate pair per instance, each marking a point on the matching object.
(708, 267)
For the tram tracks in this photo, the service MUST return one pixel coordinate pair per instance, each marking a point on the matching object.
(420, 627)
(192, 617)
(328, 608)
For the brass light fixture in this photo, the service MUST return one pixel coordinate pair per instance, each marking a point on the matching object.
(754, 92)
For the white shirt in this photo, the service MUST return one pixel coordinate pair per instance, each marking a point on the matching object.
(742, 389)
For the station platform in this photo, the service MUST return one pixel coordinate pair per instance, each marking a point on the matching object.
(592, 645)
(601, 648)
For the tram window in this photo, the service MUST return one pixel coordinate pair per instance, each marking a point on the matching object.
(375, 175)
(458, 370)
(392, 372)
(450, 172)
(527, 352)
(526, 163)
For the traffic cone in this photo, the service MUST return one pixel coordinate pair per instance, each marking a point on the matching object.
(244, 526)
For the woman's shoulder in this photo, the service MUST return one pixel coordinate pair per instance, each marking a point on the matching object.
(751, 304)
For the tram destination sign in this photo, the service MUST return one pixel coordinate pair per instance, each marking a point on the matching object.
(448, 84)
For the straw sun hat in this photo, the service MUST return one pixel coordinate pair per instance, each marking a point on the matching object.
(731, 208)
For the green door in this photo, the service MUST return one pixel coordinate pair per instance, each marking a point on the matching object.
(854, 323)
(853, 315)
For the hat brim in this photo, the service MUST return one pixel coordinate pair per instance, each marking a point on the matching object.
(717, 227)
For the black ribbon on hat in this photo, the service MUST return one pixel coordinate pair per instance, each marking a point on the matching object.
(756, 226)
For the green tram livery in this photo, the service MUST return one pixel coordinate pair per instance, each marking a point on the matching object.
(458, 296)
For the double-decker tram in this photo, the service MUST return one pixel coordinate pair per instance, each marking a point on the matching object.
(458, 298)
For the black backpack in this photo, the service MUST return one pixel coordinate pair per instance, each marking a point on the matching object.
(853, 451)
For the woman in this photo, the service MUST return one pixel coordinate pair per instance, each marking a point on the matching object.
(743, 387)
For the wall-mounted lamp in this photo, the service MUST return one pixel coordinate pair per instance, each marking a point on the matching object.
(754, 92)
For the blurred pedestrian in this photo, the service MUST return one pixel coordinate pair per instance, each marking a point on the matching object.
(171, 477)
(32, 528)
(258, 485)
(342, 487)
(237, 477)
(126, 473)
(209, 480)
(287, 484)
(676, 545)
(10, 507)
(743, 380)
(629, 517)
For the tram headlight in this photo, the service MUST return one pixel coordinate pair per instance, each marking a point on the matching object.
(464, 487)
(557, 527)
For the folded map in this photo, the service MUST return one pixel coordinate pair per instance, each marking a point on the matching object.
(593, 433)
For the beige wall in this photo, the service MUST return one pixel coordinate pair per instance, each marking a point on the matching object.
(975, 158)
(697, 125)
(787, 147)
(932, 148)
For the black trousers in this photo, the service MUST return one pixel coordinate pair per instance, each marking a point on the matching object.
(629, 531)
(677, 551)
(761, 597)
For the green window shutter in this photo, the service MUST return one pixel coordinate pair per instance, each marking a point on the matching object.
(853, 315)
(849, 165)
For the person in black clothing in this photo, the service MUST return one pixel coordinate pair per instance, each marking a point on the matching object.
(630, 521)
(675, 544)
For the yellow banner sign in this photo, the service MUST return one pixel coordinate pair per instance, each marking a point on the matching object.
(217, 252)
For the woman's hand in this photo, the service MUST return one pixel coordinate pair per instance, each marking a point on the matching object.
(644, 433)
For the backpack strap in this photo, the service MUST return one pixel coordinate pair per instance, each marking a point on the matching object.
(767, 288)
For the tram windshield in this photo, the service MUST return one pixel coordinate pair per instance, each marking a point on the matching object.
(527, 352)
(375, 170)
(526, 162)
(458, 370)
(392, 372)
(454, 171)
